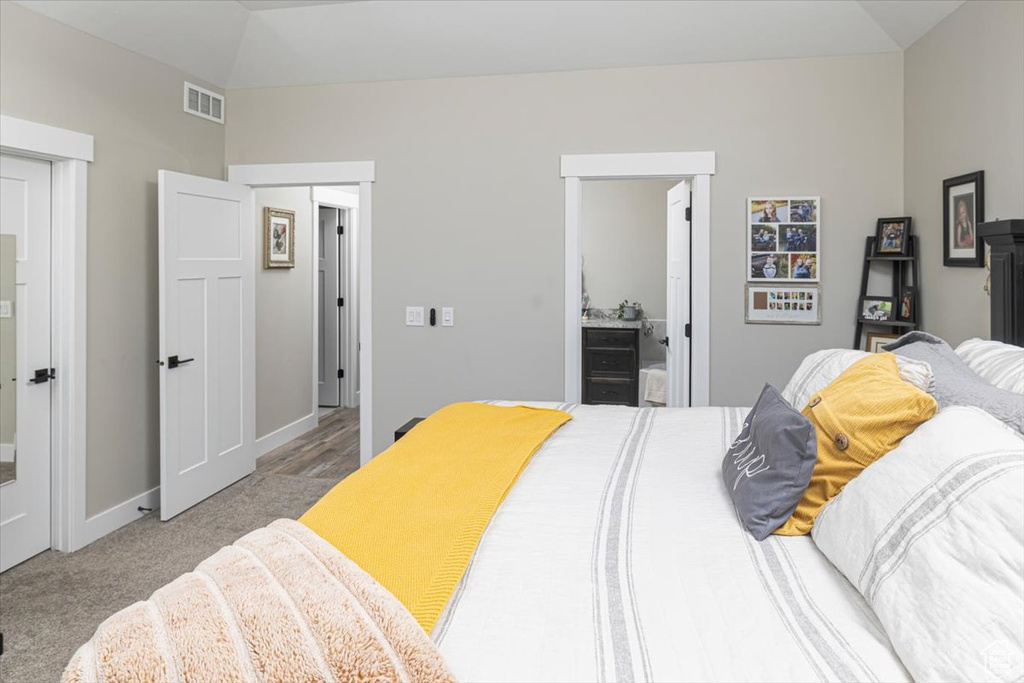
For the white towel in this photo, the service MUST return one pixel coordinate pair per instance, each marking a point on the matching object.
(656, 387)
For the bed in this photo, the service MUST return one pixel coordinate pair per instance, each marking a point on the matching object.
(626, 562)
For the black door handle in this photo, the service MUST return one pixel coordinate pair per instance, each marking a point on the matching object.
(44, 375)
(664, 342)
(173, 362)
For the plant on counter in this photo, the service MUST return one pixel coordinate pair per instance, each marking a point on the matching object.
(635, 311)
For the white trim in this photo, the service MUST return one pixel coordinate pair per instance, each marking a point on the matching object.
(285, 175)
(698, 166)
(69, 153)
(18, 136)
(639, 165)
(280, 437)
(112, 519)
(6, 452)
(336, 173)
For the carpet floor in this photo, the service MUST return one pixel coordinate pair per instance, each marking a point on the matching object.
(53, 603)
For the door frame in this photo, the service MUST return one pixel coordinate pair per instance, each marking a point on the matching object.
(349, 203)
(361, 173)
(69, 153)
(698, 167)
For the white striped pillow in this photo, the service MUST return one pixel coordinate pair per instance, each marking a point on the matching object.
(821, 367)
(998, 363)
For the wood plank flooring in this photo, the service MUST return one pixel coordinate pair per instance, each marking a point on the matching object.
(331, 451)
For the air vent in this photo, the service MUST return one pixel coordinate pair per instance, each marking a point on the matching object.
(202, 102)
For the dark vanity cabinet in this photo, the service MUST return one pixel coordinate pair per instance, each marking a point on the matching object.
(611, 366)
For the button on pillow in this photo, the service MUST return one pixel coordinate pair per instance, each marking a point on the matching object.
(862, 415)
(767, 468)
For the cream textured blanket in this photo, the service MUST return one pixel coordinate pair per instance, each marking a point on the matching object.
(281, 604)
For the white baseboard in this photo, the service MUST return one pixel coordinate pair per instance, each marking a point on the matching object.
(100, 525)
(280, 437)
(6, 452)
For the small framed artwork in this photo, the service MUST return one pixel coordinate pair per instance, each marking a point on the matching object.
(784, 239)
(874, 309)
(877, 341)
(892, 237)
(907, 305)
(278, 238)
(783, 304)
(963, 208)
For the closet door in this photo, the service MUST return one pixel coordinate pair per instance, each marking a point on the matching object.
(677, 355)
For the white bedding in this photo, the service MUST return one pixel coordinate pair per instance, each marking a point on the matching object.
(618, 556)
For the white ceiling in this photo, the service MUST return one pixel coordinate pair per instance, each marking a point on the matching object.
(258, 43)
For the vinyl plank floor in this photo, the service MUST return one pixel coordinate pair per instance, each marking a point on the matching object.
(331, 451)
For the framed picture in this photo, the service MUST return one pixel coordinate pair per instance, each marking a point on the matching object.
(906, 308)
(784, 239)
(874, 309)
(876, 341)
(278, 238)
(783, 304)
(963, 208)
(892, 237)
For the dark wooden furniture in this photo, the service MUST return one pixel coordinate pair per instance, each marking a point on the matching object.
(1006, 290)
(404, 429)
(611, 366)
(904, 272)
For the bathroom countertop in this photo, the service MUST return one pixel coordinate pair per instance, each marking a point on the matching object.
(612, 323)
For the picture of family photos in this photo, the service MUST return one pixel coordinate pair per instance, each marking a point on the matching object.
(783, 241)
(892, 237)
(783, 305)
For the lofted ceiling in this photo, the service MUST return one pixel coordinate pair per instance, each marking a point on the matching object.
(259, 43)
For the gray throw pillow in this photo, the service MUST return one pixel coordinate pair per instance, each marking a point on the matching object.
(768, 466)
(953, 381)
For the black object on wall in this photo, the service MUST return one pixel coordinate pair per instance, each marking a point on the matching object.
(1006, 240)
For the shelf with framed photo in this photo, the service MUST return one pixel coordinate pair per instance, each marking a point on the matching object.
(880, 317)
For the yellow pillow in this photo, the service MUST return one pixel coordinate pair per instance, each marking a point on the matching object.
(862, 415)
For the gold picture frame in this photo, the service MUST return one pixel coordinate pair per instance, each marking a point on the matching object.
(278, 238)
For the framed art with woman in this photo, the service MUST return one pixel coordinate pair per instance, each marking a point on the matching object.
(963, 208)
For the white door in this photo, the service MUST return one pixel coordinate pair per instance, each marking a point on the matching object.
(328, 379)
(207, 335)
(677, 355)
(24, 349)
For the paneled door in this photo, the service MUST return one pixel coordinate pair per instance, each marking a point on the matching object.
(207, 360)
(25, 372)
(329, 280)
(677, 355)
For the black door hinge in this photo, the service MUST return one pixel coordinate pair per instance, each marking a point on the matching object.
(341, 229)
(686, 330)
(341, 374)
(687, 214)
(341, 302)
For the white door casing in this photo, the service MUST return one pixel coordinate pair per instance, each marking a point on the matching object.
(329, 389)
(207, 322)
(25, 501)
(677, 352)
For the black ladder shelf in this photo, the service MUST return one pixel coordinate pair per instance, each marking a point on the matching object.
(900, 267)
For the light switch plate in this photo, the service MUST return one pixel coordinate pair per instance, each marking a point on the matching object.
(414, 316)
(448, 317)
(6, 309)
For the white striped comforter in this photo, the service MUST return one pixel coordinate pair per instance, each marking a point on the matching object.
(618, 556)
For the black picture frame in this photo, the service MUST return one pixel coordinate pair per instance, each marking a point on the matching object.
(862, 310)
(906, 305)
(962, 246)
(892, 237)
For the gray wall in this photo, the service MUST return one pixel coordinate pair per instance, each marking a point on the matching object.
(624, 242)
(468, 204)
(964, 102)
(56, 75)
(284, 318)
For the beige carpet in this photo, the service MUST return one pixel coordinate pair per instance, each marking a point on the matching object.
(52, 603)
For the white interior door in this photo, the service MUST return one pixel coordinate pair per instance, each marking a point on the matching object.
(677, 355)
(24, 348)
(328, 379)
(207, 338)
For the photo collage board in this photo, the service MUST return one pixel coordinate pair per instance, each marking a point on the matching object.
(784, 246)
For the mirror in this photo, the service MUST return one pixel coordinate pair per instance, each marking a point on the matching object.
(8, 383)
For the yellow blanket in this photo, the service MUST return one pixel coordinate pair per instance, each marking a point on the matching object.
(413, 516)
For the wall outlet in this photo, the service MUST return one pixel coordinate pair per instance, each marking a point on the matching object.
(414, 316)
(448, 317)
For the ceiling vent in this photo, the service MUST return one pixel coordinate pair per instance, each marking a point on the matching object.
(202, 102)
